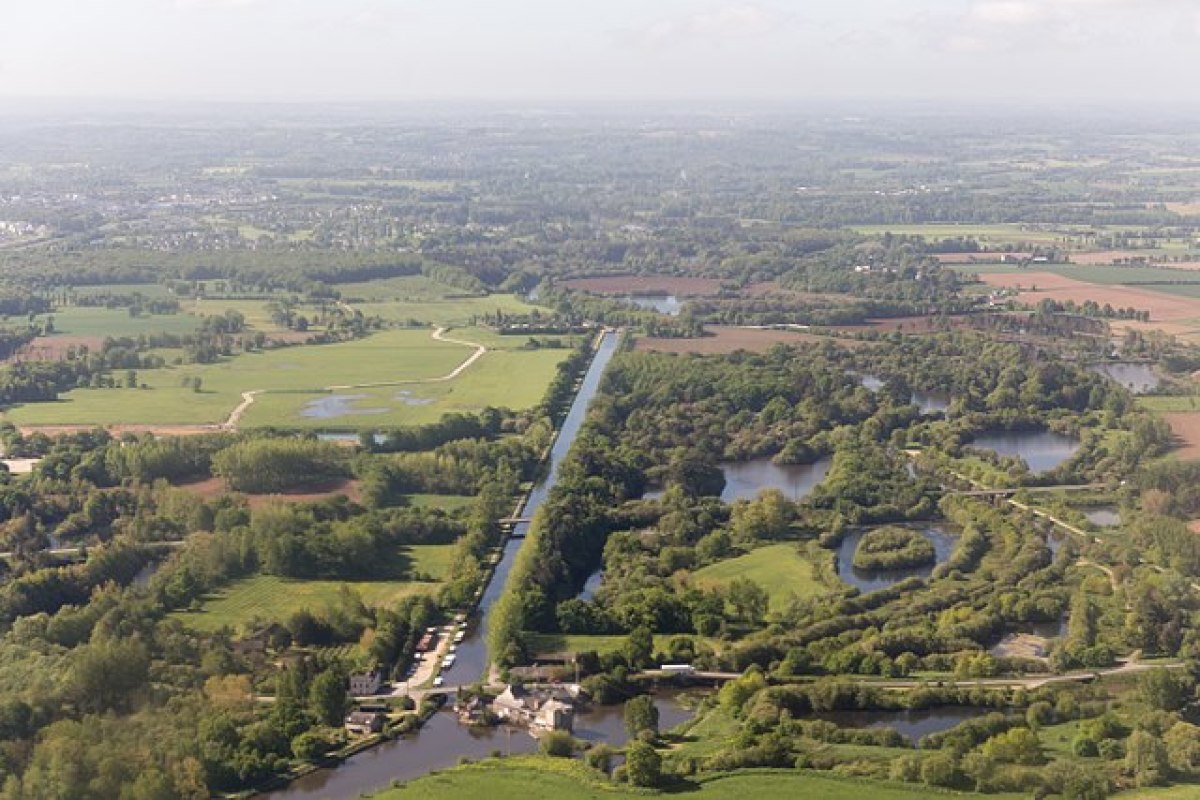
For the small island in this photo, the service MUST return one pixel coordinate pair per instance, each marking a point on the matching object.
(893, 548)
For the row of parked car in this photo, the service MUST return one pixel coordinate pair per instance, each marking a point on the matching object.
(458, 631)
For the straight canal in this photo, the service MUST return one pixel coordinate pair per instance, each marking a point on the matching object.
(441, 742)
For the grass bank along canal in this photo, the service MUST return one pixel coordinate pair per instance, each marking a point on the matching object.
(442, 741)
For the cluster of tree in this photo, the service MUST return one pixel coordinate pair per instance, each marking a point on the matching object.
(264, 465)
(893, 548)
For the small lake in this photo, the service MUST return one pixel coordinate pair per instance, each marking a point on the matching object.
(911, 724)
(1041, 450)
(442, 741)
(927, 402)
(1137, 378)
(1103, 516)
(337, 405)
(871, 580)
(667, 304)
(745, 479)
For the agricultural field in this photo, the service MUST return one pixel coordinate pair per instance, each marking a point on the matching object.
(1171, 311)
(781, 569)
(534, 779)
(1186, 427)
(267, 597)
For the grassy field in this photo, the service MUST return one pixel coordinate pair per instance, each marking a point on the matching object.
(511, 377)
(1166, 404)
(506, 376)
(408, 288)
(781, 569)
(268, 597)
(444, 311)
(531, 778)
(116, 322)
(446, 502)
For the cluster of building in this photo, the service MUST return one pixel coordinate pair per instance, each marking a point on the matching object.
(541, 710)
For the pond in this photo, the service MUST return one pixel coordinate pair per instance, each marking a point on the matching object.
(443, 741)
(667, 304)
(1041, 450)
(337, 405)
(745, 479)
(927, 402)
(871, 580)
(1103, 516)
(1138, 378)
(910, 724)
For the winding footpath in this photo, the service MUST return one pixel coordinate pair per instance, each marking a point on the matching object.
(439, 334)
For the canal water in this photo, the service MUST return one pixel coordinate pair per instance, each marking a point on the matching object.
(472, 656)
(442, 742)
(871, 580)
(1041, 450)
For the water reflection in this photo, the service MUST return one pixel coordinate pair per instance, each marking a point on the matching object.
(745, 479)
(871, 580)
(927, 402)
(1041, 450)
(911, 724)
(337, 405)
(443, 741)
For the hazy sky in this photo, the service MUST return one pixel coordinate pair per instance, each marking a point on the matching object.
(582, 49)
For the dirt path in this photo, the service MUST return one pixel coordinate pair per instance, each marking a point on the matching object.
(439, 334)
(1112, 576)
(236, 415)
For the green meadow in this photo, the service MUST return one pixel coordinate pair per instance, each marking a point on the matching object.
(534, 778)
(397, 355)
(272, 598)
(781, 569)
